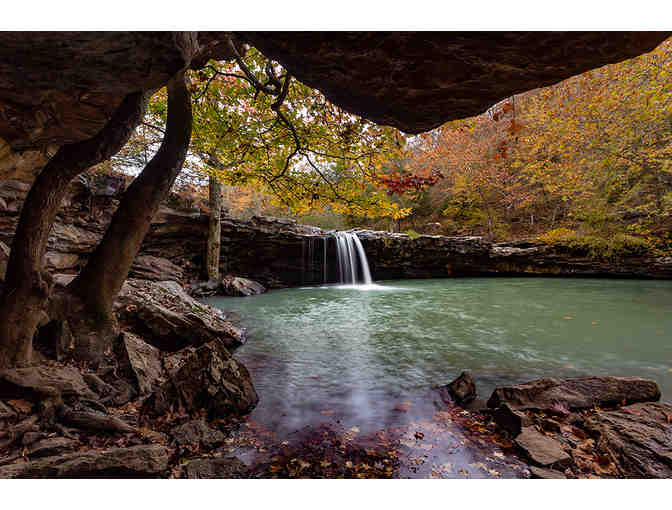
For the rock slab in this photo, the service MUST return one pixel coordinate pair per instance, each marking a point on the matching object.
(576, 393)
(541, 449)
(164, 315)
(145, 461)
(638, 437)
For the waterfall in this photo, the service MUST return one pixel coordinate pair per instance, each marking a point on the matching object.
(351, 258)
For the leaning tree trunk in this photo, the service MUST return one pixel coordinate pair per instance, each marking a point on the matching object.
(214, 229)
(27, 286)
(91, 318)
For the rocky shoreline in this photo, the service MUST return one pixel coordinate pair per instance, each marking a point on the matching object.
(170, 397)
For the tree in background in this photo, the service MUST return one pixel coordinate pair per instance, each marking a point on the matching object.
(256, 127)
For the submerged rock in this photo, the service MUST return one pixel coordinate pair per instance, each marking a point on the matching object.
(576, 393)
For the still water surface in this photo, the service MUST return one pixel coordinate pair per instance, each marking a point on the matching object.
(349, 354)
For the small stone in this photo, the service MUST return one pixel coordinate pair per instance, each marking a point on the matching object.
(541, 449)
(222, 467)
(510, 420)
(546, 474)
(196, 433)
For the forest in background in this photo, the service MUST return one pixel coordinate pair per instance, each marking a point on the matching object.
(584, 163)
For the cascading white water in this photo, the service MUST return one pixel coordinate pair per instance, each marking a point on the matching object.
(351, 257)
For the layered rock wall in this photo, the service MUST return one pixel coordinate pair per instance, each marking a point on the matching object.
(282, 253)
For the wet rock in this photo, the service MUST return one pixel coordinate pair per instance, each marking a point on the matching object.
(237, 286)
(208, 467)
(510, 420)
(463, 389)
(38, 380)
(196, 433)
(541, 449)
(164, 315)
(204, 378)
(145, 461)
(637, 437)
(546, 474)
(576, 393)
(142, 362)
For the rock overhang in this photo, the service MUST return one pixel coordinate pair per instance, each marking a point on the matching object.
(61, 87)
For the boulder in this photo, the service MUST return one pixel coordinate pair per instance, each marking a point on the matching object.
(142, 362)
(197, 433)
(637, 437)
(38, 380)
(144, 461)
(463, 389)
(222, 467)
(576, 393)
(148, 267)
(510, 420)
(237, 286)
(204, 378)
(204, 289)
(541, 449)
(165, 316)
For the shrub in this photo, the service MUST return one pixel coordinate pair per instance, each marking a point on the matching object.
(598, 247)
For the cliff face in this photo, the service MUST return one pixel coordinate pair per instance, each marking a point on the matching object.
(281, 253)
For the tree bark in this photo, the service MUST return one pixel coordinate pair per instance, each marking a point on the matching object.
(27, 287)
(100, 281)
(214, 229)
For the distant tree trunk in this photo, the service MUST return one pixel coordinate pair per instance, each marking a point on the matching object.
(27, 287)
(91, 316)
(214, 229)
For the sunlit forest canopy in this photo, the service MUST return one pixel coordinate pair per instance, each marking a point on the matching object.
(583, 161)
